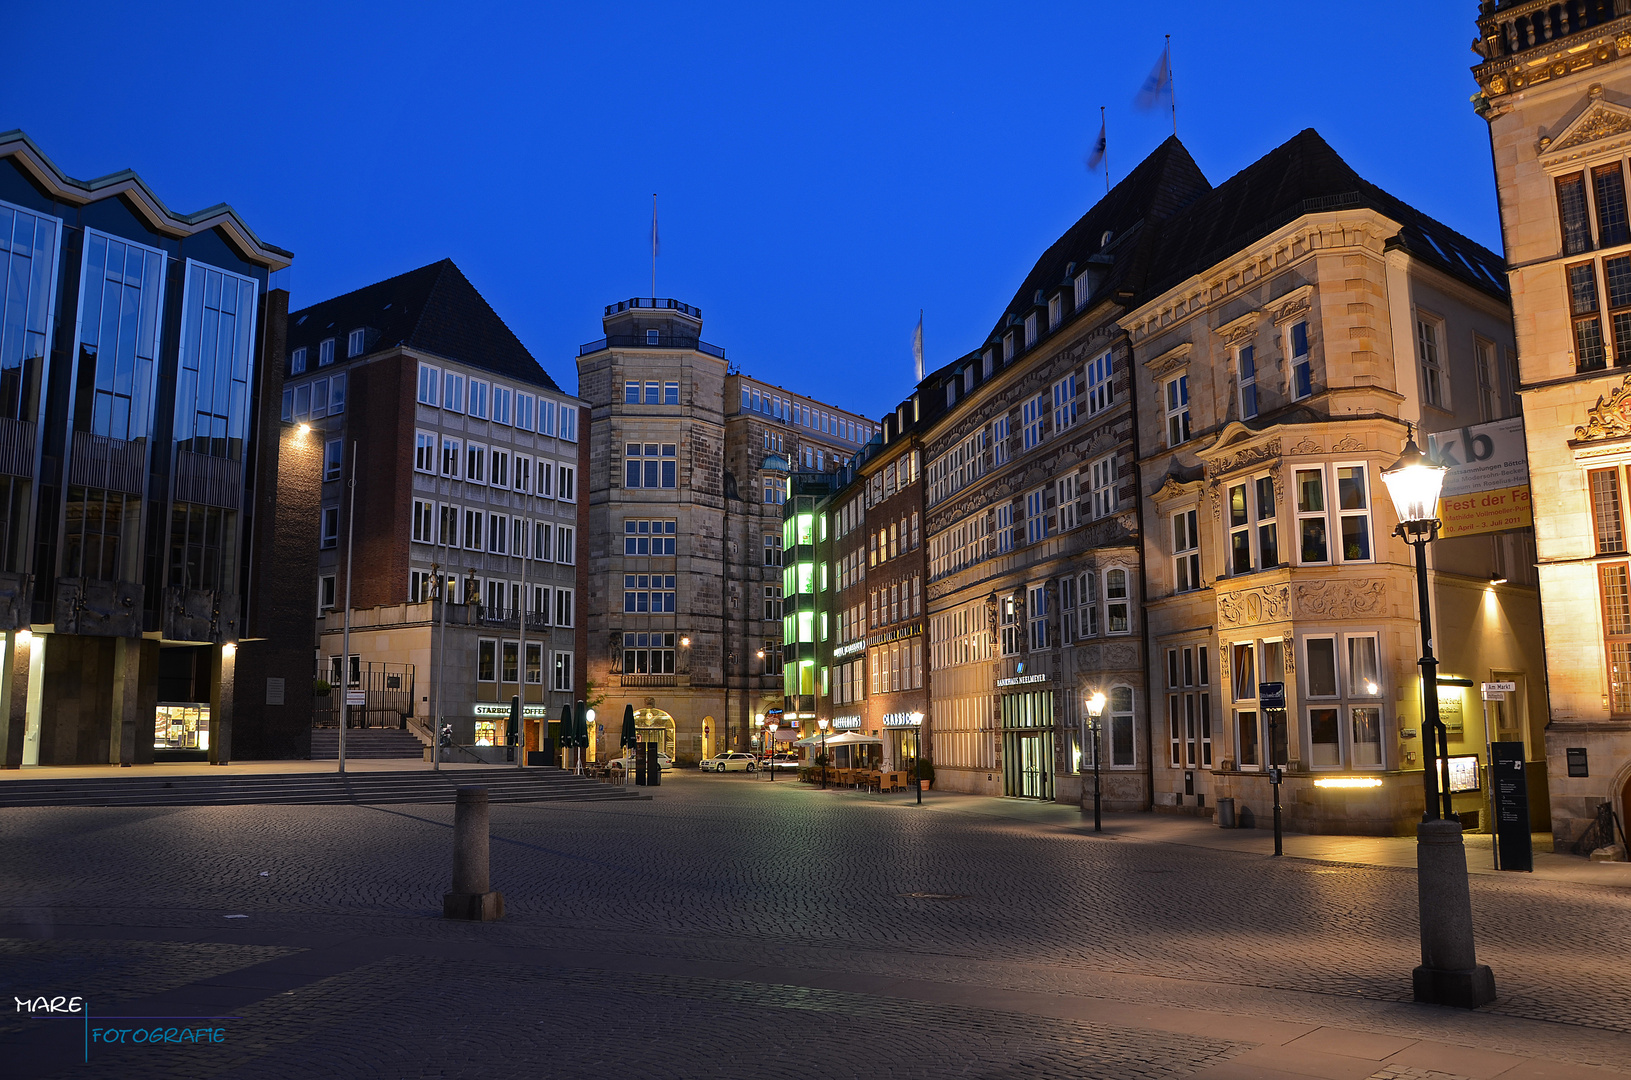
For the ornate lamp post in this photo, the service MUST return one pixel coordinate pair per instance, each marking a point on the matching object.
(772, 754)
(759, 729)
(822, 724)
(1449, 973)
(1095, 709)
(917, 750)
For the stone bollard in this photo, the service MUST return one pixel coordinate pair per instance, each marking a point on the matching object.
(1450, 973)
(471, 898)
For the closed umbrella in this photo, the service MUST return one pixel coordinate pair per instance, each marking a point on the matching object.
(566, 727)
(628, 725)
(580, 726)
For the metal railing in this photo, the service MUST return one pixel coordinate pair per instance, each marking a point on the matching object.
(388, 696)
(648, 303)
(649, 680)
(641, 341)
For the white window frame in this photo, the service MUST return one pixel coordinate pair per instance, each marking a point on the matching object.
(1064, 402)
(453, 392)
(1097, 381)
(452, 454)
(1124, 602)
(1036, 515)
(1103, 477)
(1175, 408)
(569, 423)
(1299, 364)
(565, 545)
(566, 483)
(1322, 515)
(425, 447)
(1030, 330)
(1186, 550)
(329, 527)
(475, 463)
(325, 352)
(1032, 412)
(333, 459)
(424, 521)
(1430, 361)
(476, 395)
(1342, 515)
(564, 613)
(297, 361)
(503, 405)
(1246, 381)
(1067, 492)
(430, 385)
(326, 594)
(355, 343)
(498, 473)
(1056, 311)
(498, 533)
(1001, 452)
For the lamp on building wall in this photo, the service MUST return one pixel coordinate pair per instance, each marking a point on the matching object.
(1449, 973)
(1095, 709)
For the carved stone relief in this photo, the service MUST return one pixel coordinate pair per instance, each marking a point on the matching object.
(1120, 656)
(1340, 599)
(1307, 446)
(1348, 443)
(1248, 607)
(1610, 418)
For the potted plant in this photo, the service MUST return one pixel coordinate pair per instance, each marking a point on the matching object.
(925, 772)
(320, 688)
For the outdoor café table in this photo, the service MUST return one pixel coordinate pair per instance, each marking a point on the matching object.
(874, 779)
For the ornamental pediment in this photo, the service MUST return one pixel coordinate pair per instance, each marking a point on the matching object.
(1170, 360)
(1610, 418)
(1602, 127)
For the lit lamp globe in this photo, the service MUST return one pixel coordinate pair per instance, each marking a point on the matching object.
(822, 724)
(1095, 705)
(1414, 482)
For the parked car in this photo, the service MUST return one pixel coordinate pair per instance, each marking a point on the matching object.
(783, 762)
(735, 761)
(627, 762)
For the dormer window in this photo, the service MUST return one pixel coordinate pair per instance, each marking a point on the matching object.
(1056, 312)
(354, 344)
(325, 352)
(1030, 330)
(297, 361)
(651, 337)
(1007, 346)
(988, 363)
(1082, 288)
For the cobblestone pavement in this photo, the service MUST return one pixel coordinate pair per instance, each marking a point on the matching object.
(732, 927)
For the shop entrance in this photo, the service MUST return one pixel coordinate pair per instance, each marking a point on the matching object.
(654, 725)
(1027, 745)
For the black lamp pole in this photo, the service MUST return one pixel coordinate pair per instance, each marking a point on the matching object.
(1435, 737)
(1095, 709)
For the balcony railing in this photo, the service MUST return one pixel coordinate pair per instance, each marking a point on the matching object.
(642, 341)
(1520, 26)
(647, 303)
(650, 680)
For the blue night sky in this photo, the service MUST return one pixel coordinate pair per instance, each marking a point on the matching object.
(822, 173)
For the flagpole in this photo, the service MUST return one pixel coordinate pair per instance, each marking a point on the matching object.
(1172, 88)
(1104, 127)
(654, 247)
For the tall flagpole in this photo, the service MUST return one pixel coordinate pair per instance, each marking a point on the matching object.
(1104, 127)
(654, 248)
(1172, 88)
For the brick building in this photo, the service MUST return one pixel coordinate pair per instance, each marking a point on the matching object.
(466, 458)
(139, 441)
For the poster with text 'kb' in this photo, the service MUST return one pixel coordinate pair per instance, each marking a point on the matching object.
(1487, 487)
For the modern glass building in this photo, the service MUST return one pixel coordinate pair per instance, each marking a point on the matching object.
(133, 439)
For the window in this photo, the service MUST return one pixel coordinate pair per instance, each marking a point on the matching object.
(1103, 475)
(671, 393)
(1571, 211)
(523, 473)
(543, 541)
(477, 403)
(500, 475)
(1608, 519)
(1608, 190)
(1320, 654)
(1432, 370)
(650, 465)
(546, 479)
(1008, 620)
(569, 423)
(1069, 620)
(1589, 351)
(325, 352)
(1036, 610)
(1617, 277)
(1099, 391)
(535, 663)
(354, 343)
(453, 392)
(1065, 496)
(450, 457)
(1302, 372)
(563, 607)
(430, 385)
(1005, 528)
(421, 585)
(1246, 372)
(1089, 610)
(1030, 330)
(503, 399)
(1036, 516)
(1031, 414)
(447, 526)
(1268, 533)
(565, 544)
(325, 592)
(1000, 451)
(1353, 508)
(1614, 581)
(486, 660)
(546, 417)
(773, 602)
(472, 529)
(424, 452)
(1311, 517)
(773, 549)
(648, 654)
(1189, 707)
(524, 408)
(331, 526)
(424, 521)
(1064, 403)
(1177, 410)
(775, 490)
(561, 678)
(333, 456)
(1186, 552)
(1122, 744)
(1115, 602)
(1240, 531)
(566, 483)
(498, 531)
(297, 361)
(646, 537)
(1056, 310)
(475, 463)
(1084, 288)
(648, 594)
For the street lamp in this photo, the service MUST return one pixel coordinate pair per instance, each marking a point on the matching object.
(1095, 709)
(772, 754)
(1449, 973)
(917, 750)
(822, 724)
(759, 729)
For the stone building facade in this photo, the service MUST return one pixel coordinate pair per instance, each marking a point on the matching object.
(1555, 83)
(1290, 332)
(686, 483)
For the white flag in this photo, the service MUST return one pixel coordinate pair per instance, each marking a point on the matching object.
(917, 346)
(1159, 84)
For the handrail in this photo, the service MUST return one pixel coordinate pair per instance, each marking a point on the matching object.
(637, 303)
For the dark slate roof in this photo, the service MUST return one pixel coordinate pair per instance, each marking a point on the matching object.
(434, 309)
(1162, 184)
(1302, 176)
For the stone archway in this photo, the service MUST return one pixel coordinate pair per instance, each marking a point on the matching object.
(655, 725)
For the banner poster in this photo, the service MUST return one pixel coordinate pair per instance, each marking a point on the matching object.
(1487, 487)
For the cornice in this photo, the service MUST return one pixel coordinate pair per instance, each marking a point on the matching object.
(1533, 67)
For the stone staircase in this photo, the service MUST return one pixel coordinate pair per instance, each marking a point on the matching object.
(366, 743)
(504, 785)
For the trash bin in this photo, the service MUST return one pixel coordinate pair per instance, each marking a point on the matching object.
(1226, 813)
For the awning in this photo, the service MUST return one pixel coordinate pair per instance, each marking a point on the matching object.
(854, 738)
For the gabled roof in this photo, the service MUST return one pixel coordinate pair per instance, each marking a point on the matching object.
(434, 309)
(1162, 184)
(16, 145)
(1302, 176)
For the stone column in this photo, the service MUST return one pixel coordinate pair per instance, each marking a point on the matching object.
(223, 682)
(14, 697)
(127, 668)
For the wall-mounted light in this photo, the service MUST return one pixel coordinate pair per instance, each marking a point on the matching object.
(305, 429)
(229, 649)
(1348, 782)
(25, 638)
(685, 641)
(1497, 579)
